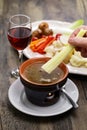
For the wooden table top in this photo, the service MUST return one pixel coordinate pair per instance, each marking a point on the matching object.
(11, 118)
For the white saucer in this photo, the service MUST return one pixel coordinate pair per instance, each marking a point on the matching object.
(18, 99)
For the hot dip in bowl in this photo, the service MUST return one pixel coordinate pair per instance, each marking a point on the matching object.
(41, 87)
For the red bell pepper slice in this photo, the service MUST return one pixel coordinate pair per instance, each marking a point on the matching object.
(42, 46)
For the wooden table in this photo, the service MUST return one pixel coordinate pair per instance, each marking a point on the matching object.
(12, 119)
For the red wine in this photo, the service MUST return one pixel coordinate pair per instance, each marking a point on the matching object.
(19, 37)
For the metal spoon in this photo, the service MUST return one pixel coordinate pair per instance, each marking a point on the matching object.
(62, 89)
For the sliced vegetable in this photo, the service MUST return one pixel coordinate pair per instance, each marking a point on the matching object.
(34, 38)
(58, 36)
(64, 38)
(76, 24)
(58, 58)
(33, 43)
(40, 44)
(69, 30)
(67, 59)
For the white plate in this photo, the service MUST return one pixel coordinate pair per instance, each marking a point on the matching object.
(58, 27)
(18, 99)
(77, 70)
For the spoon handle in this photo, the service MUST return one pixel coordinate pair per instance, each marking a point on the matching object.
(75, 105)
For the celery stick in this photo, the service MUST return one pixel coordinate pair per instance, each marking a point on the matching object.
(76, 24)
(50, 65)
(70, 29)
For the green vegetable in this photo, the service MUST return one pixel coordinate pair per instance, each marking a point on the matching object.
(76, 24)
(58, 58)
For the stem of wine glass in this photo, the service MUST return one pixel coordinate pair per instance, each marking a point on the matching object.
(15, 73)
(20, 57)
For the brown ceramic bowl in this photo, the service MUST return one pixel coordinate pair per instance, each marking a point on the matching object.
(40, 93)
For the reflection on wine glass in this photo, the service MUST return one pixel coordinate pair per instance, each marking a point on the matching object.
(19, 35)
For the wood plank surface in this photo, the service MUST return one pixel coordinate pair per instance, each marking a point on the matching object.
(62, 10)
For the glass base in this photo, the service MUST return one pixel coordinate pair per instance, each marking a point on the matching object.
(15, 73)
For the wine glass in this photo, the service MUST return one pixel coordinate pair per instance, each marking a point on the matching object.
(19, 36)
